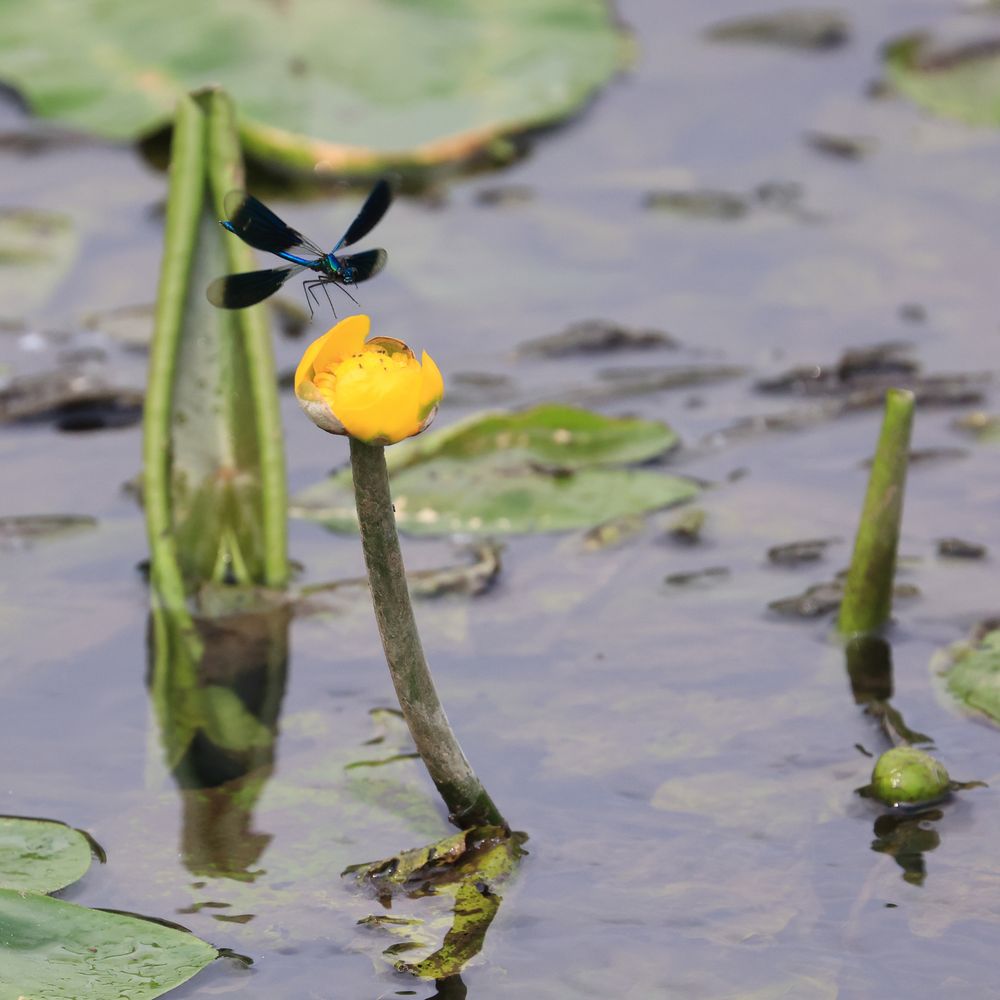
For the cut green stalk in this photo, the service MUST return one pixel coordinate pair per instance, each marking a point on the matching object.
(868, 591)
(467, 800)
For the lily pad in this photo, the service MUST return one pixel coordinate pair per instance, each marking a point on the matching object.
(323, 85)
(544, 469)
(956, 81)
(61, 951)
(36, 250)
(38, 855)
(490, 496)
(973, 676)
(565, 436)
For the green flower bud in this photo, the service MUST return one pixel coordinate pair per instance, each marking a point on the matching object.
(907, 776)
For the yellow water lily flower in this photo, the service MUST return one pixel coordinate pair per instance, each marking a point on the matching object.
(373, 390)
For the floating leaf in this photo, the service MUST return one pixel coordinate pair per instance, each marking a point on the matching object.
(60, 951)
(510, 473)
(973, 674)
(36, 250)
(487, 496)
(322, 84)
(38, 855)
(565, 436)
(957, 81)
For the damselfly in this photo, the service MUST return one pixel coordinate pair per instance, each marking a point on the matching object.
(255, 224)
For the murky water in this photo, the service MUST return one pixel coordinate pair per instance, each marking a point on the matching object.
(683, 760)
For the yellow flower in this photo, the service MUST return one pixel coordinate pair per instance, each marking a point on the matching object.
(374, 390)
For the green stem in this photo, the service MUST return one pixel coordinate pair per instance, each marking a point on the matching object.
(463, 793)
(868, 591)
(183, 213)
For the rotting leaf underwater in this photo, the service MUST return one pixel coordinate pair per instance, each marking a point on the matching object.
(467, 867)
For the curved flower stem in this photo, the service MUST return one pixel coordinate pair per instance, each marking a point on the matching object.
(463, 793)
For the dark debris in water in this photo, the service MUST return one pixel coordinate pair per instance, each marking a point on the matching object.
(795, 553)
(471, 578)
(853, 368)
(624, 383)
(22, 530)
(703, 204)
(613, 533)
(783, 197)
(861, 377)
(72, 400)
(596, 336)
(686, 528)
(504, 195)
(840, 147)
(822, 598)
(706, 577)
(814, 30)
(912, 312)
(958, 548)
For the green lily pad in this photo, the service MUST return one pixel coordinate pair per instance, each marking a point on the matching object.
(61, 951)
(38, 855)
(956, 81)
(36, 250)
(322, 84)
(488, 496)
(972, 675)
(564, 436)
(544, 469)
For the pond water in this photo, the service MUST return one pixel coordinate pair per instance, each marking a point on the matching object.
(684, 760)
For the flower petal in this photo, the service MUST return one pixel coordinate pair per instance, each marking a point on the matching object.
(394, 415)
(339, 342)
(431, 386)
